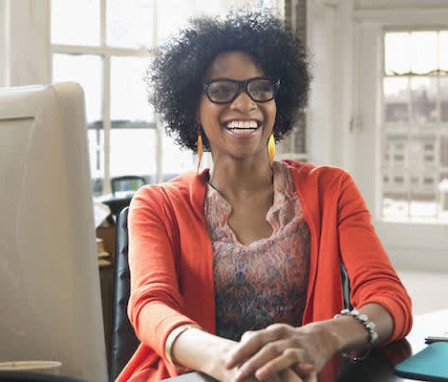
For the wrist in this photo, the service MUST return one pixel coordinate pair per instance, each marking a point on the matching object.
(368, 327)
(331, 333)
(219, 351)
(172, 337)
(199, 350)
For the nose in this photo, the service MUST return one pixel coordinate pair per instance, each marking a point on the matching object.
(243, 102)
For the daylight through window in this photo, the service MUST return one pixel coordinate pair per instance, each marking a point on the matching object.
(415, 126)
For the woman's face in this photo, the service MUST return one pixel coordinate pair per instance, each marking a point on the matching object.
(239, 129)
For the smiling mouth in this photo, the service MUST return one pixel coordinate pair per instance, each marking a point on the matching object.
(242, 126)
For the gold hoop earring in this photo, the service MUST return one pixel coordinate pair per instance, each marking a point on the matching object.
(271, 149)
(199, 148)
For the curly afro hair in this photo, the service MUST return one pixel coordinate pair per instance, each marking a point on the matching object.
(175, 77)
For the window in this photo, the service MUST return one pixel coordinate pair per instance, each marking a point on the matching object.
(415, 125)
(103, 45)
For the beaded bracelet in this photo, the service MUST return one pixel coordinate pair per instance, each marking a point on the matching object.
(363, 319)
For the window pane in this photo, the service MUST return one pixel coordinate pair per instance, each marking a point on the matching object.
(397, 53)
(129, 23)
(424, 52)
(424, 100)
(87, 71)
(444, 151)
(75, 22)
(171, 15)
(444, 99)
(175, 160)
(424, 205)
(419, 148)
(395, 194)
(128, 90)
(133, 152)
(443, 50)
(396, 100)
(207, 7)
(423, 196)
(96, 147)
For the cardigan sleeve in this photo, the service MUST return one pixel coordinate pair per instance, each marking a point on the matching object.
(372, 277)
(155, 306)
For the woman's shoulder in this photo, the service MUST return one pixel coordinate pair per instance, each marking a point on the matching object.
(186, 186)
(306, 171)
(179, 184)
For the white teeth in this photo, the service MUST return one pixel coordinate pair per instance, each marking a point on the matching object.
(242, 125)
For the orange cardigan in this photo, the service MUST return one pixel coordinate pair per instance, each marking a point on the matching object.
(170, 256)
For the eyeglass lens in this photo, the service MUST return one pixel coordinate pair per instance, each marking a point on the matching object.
(223, 91)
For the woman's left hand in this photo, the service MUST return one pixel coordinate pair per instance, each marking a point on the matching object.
(281, 347)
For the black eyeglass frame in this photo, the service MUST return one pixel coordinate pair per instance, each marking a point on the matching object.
(240, 86)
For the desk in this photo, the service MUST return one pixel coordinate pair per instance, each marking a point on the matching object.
(379, 366)
(33, 377)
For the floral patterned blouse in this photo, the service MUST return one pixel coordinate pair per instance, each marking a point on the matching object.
(264, 282)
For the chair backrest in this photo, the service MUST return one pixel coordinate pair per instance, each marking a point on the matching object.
(123, 339)
(345, 288)
(126, 183)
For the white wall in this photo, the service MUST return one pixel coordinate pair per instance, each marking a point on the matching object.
(344, 111)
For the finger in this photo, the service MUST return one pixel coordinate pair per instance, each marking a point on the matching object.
(245, 349)
(290, 376)
(311, 378)
(273, 358)
(304, 368)
(288, 359)
(266, 354)
(251, 343)
(275, 378)
(247, 335)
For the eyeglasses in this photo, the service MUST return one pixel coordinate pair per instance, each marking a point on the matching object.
(259, 89)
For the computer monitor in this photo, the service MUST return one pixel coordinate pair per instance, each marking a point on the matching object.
(50, 300)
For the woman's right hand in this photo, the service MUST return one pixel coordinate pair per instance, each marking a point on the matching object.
(210, 359)
(223, 374)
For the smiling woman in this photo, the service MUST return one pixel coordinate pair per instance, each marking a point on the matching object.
(235, 270)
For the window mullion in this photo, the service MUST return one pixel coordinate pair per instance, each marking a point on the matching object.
(107, 122)
(438, 143)
(106, 100)
(160, 133)
(408, 143)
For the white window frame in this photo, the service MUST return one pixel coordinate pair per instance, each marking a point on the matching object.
(410, 245)
(106, 53)
(438, 135)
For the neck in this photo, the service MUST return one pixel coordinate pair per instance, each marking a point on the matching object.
(241, 178)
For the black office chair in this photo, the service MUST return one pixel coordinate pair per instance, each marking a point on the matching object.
(126, 183)
(123, 339)
(346, 288)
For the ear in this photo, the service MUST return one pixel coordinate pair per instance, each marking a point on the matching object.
(198, 119)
